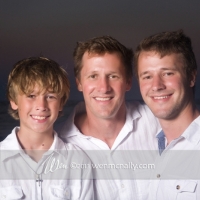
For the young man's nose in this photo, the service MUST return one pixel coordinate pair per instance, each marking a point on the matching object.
(157, 83)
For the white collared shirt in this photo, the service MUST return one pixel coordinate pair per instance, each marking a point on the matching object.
(177, 173)
(53, 177)
(138, 133)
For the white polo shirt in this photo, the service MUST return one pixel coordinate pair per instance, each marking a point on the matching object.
(177, 172)
(138, 133)
(53, 177)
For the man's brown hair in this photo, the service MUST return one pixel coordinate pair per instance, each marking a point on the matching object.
(102, 45)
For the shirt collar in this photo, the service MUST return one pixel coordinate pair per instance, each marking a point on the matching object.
(70, 129)
(10, 146)
(132, 114)
(192, 133)
(160, 134)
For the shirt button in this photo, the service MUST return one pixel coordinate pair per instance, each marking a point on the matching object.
(122, 185)
(178, 187)
(158, 175)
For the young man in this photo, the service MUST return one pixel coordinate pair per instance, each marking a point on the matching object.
(166, 69)
(35, 163)
(103, 71)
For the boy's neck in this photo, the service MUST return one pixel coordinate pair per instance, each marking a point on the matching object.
(36, 144)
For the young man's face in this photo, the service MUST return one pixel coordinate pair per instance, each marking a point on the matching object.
(163, 84)
(104, 84)
(37, 111)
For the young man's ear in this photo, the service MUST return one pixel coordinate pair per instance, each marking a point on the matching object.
(128, 84)
(78, 84)
(193, 79)
(14, 106)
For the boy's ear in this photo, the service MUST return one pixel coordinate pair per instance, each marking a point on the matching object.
(14, 106)
(61, 107)
(78, 84)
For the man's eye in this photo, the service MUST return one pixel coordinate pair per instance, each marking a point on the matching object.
(113, 76)
(168, 74)
(146, 77)
(93, 76)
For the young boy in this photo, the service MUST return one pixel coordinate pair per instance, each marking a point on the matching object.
(40, 165)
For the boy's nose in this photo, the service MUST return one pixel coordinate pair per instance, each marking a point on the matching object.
(41, 104)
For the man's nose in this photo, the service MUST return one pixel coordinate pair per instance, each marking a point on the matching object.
(104, 84)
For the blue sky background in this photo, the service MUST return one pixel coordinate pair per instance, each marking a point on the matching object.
(52, 28)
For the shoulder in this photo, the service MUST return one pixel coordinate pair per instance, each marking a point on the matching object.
(69, 125)
(10, 141)
(142, 115)
(140, 107)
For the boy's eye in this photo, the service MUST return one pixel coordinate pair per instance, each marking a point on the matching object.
(31, 96)
(51, 97)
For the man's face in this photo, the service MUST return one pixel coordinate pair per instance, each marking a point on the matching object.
(37, 111)
(163, 84)
(104, 84)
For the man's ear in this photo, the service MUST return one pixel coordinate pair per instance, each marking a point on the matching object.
(78, 84)
(193, 79)
(14, 106)
(128, 84)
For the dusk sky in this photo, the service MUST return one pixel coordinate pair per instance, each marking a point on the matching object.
(51, 28)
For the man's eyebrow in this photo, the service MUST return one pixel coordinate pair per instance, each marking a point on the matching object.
(143, 73)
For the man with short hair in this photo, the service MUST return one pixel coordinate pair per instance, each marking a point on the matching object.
(103, 71)
(166, 69)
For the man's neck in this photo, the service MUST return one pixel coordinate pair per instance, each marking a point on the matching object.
(174, 128)
(106, 130)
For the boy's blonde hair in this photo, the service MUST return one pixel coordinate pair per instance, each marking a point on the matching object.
(46, 73)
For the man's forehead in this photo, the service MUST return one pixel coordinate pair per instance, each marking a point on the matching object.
(90, 54)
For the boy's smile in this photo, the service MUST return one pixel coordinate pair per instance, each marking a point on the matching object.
(37, 111)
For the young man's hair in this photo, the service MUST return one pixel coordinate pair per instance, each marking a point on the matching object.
(46, 73)
(167, 43)
(100, 46)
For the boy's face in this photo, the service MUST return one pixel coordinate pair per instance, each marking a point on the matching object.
(37, 111)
